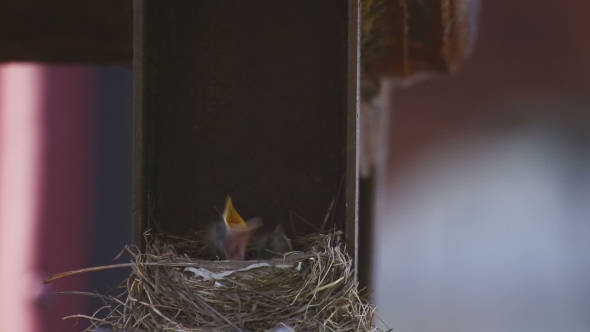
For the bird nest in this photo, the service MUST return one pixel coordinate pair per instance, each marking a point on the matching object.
(168, 290)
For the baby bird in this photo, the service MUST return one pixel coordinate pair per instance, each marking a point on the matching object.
(271, 245)
(232, 235)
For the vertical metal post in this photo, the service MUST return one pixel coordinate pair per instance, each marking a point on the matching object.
(352, 161)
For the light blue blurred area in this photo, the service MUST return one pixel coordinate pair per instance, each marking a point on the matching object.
(490, 231)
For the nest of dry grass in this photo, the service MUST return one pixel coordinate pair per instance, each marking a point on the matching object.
(168, 290)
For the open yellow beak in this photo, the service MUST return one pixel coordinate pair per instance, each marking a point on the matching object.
(231, 217)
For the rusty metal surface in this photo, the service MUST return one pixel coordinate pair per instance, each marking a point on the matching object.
(402, 38)
(72, 31)
(249, 99)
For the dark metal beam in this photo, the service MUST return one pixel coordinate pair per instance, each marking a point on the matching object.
(256, 99)
(66, 31)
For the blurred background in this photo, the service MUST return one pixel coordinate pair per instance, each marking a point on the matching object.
(484, 222)
(65, 188)
(481, 226)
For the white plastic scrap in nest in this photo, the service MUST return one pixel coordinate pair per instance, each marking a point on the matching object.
(209, 275)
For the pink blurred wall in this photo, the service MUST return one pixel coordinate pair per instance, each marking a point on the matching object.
(21, 148)
(44, 192)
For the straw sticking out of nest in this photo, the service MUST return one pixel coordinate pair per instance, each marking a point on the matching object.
(309, 290)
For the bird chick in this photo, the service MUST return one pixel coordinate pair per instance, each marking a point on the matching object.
(232, 235)
(273, 244)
